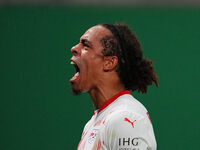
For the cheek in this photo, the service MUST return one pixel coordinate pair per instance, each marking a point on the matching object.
(92, 59)
(93, 66)
(96, 63)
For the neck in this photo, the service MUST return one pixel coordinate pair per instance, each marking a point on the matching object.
(103, 93)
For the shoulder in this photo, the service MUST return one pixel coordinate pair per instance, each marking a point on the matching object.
(127, 104)
(127, 125)
(128, 116)
(129, 129)
(127, 120)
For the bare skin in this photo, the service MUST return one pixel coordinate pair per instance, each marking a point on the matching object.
(96, 74)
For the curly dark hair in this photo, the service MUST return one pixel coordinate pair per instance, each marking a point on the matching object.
(135, 71)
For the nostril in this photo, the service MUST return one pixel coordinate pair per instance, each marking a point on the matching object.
(74, 51)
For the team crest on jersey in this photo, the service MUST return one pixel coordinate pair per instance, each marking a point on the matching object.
(92, 136)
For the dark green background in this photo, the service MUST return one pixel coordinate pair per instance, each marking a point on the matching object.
(37, 109)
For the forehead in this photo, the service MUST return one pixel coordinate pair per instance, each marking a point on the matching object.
(95, 33)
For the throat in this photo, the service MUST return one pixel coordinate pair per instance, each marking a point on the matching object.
(100, 96)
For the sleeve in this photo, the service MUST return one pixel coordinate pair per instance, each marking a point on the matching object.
(129, 131)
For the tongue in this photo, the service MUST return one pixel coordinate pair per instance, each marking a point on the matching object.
(74, 77)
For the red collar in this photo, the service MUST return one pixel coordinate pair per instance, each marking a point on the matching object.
(112, 99)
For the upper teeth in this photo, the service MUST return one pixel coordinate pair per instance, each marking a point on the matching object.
(72, 63)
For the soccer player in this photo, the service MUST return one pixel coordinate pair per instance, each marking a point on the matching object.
(109, 64)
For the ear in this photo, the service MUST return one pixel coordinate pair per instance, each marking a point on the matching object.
(110, 63)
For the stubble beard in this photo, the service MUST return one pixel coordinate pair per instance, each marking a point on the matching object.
(75, 91)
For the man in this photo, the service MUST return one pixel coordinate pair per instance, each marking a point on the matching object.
(109, 63)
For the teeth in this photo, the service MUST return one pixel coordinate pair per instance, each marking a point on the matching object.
(72, 63)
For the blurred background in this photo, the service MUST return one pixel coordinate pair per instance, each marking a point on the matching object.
(37, 109)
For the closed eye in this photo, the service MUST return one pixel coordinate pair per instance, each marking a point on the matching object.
(86, 45)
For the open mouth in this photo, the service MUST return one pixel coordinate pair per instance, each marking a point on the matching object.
(77, 72)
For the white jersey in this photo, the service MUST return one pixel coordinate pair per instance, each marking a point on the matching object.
(122, 123)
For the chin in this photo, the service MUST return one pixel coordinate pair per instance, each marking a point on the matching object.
(75, 91)
(77, 88)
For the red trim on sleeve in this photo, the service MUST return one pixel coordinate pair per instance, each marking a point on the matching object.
(112, 99)
(148, 116)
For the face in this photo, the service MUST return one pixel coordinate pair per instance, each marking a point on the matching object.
(88, 60)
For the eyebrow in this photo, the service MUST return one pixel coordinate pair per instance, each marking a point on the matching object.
(84, 41)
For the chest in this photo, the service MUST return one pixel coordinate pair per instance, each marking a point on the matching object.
(91, 138)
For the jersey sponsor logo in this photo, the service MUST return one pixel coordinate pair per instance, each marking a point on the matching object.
(131, 122)
(128, 141)
(93, 136)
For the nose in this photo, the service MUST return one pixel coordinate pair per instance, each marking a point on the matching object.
(75, 50)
